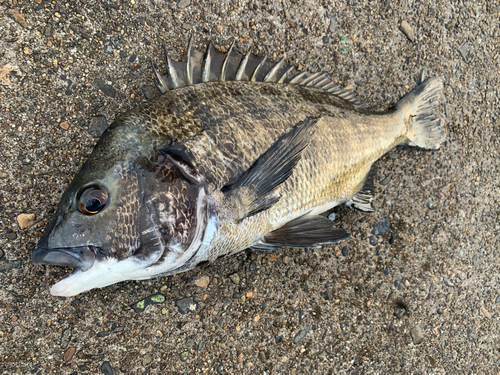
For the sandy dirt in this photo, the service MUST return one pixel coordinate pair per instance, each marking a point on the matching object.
(424, 298)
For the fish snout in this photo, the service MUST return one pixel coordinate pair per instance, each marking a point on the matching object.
(79, 257)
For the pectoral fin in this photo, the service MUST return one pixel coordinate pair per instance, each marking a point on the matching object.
(305, 231)
(255, 189)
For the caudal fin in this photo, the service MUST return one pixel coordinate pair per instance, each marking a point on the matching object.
(421, 112)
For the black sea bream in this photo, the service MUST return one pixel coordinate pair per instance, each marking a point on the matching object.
(236, 153)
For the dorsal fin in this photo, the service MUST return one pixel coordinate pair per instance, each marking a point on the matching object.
(214, 65)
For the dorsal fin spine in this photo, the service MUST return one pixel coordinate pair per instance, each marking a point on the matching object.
(160, 82)
(242, 66)
(253, 76)
(323, 82)
(283, 77)
(315, 81)
(205, 75)
(189, 62)
(172, 73)
(222, 75)
(298, 77)
(271, 75)
(310, 78)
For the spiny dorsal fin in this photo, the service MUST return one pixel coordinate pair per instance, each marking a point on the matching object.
(214, 65)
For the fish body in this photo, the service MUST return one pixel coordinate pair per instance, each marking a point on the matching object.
(234, 154)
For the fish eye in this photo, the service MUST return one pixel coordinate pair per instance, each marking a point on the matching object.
(92, 200)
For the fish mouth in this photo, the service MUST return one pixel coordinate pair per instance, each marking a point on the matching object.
(78, 257)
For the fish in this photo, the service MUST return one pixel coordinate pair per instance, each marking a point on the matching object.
(236, 152)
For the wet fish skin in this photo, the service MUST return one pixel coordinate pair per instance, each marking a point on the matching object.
(169, 165)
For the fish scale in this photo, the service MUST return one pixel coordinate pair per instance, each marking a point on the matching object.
(238, 152)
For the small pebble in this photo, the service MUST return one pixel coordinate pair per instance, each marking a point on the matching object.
(287, 259)
(406, 28)
(18, 17)
(97, 126)
(380, 229)
(333, 25)
(186, 305)
(150, 92)
(106, 368)
(463, 50)
(326, 39)
(3, 175)
(386, 180)
(399, 312)
(64, 125)
(448, 282)
(431, 205)
(398, 285)
(301, 334)
(203, 282)
(331, 216)
(345, 251)
(474, 260)
(106, 88)
(109, 48)
(235, 278)
(497, 300)
(184, 356)
(154, 299)
(386, 270)
(373, 240)
(25, 220)
(69, 354)
(66, 336)
(485, 312)
(253, 266)
(417, 334)
(11, 236)
(183, 4)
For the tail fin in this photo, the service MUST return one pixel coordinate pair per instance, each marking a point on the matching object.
(421, 112)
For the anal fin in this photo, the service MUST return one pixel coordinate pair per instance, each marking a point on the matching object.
(363, 199)
(305, 231)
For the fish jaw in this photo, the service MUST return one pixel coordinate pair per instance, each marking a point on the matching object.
(91, 270)
(101, 274)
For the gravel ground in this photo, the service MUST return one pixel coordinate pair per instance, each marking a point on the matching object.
(418, 295)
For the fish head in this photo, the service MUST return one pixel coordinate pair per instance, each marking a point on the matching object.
(124, 221)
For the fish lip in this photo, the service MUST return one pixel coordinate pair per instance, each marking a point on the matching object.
(81, 258)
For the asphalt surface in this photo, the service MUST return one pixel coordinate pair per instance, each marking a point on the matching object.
(422, 298)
